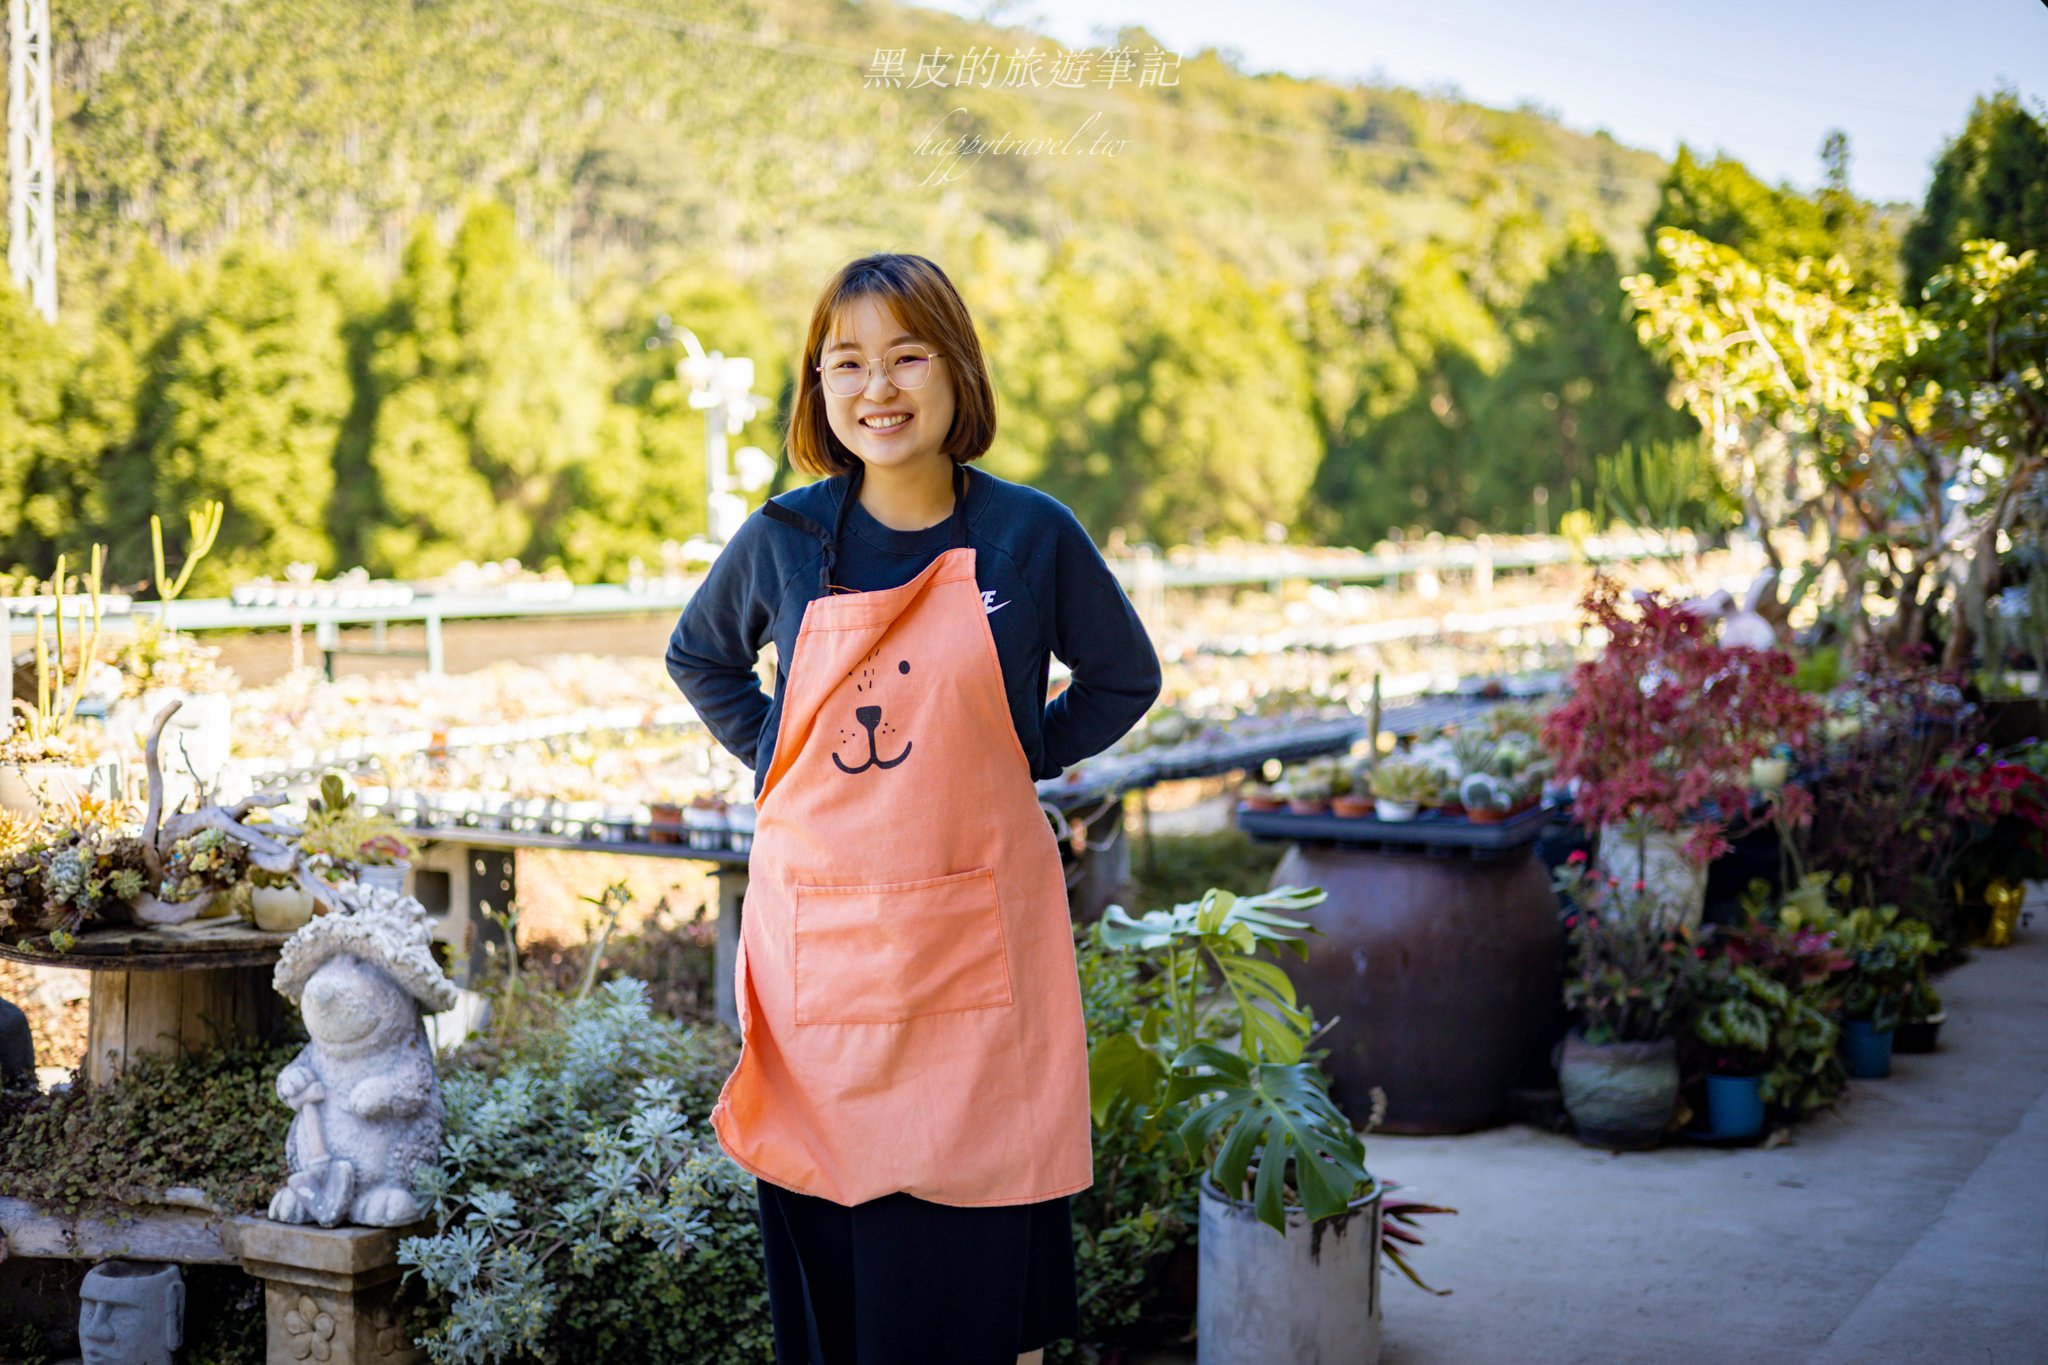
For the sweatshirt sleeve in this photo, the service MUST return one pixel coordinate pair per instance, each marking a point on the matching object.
(1097, 634)
(719, 638)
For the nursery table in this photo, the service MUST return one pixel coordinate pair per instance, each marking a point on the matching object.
(170, 990)
(1441, 952)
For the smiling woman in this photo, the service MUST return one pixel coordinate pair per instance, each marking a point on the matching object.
(912, 1089)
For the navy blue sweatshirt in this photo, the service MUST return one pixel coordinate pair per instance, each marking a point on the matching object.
(1043, 583)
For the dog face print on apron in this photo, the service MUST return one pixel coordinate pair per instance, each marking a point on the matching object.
(905, 978)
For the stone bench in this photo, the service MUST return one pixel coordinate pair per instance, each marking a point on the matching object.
(336, 1286)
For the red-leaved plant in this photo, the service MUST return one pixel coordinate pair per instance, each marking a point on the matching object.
(1664, 724)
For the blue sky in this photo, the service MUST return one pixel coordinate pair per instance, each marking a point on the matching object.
(1762, 81)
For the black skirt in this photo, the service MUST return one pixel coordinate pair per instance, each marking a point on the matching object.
(903, 1281)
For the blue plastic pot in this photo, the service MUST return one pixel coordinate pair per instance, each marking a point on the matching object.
(1735, 1106)
(1866, 1050)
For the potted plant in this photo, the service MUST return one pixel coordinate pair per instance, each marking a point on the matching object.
(1658, 733)
(1308, 791)
(44, 758)
(1627, 987)
(1920, 1024)
(704, 821)
(1888, 955)
(1399, 788)
(1353, 798)
(355, 842)
(1737, 1012)
(1257, 795)
(1781, 942)
(68, 867)
(1998, 802)
(1222, 1064)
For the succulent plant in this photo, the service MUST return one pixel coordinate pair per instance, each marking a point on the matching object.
(1399, 780)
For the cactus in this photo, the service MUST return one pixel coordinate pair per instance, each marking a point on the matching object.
(48, 722)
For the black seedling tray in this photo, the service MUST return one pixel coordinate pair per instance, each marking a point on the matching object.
(1428, 832)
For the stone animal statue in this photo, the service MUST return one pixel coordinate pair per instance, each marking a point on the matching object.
(131, 1313)
(368, 1101)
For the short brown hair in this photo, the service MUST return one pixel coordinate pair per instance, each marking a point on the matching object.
(929, 306)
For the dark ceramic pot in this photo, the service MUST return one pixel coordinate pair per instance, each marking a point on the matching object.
(1923, 1035)
(1620, 1095)
(1446, 971)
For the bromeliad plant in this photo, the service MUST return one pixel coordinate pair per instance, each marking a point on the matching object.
(1226, 1064)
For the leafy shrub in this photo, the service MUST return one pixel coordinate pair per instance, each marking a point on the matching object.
(210, 1120)
(585, 1209)
(1134, 1249)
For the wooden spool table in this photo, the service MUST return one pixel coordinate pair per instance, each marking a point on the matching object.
(170, 991)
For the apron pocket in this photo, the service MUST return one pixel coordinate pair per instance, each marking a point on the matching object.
(892, 951)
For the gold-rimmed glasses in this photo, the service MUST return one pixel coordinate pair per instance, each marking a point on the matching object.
(907, 367)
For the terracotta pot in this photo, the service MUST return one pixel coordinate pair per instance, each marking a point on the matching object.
(1351, 807)
(1620, 1095)
(1483, 815)
(1262, 803)
(1309, 807)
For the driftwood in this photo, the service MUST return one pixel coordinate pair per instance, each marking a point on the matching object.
(268, 850)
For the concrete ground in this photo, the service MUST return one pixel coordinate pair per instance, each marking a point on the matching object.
(1911, 1225)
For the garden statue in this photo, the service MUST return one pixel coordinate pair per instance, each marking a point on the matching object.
(131, 1313)
(1754, 624)
(368, 1101)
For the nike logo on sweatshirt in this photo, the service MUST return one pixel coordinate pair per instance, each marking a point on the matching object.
(989, 608)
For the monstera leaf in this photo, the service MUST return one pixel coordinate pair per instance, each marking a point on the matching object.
(1281, 1114)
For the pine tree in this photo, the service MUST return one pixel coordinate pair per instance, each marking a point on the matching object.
(250, 398)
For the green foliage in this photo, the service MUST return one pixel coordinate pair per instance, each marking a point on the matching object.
(1259, 1094)
(1990, 181)
(1134, 1247)
(488, 390)
(259, 367)
(1721, 201)
(584, 1202)
(210, 1120)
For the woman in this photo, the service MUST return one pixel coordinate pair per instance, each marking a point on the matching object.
(912, 1088)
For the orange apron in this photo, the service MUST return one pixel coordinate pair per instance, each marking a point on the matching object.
(910, 1010)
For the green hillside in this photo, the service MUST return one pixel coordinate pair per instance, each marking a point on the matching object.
(626, 135)
(382, 277)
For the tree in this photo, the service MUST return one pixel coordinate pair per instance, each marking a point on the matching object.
(488, 392)
(643, 483)
(32, 364)
(1778, 370)
(1577, 387)
(1405, 351)
(1990, 182)
(246, 409)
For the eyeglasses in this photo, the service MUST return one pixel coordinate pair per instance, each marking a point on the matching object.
(907, 366)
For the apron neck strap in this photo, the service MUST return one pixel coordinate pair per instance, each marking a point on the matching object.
(852, 495)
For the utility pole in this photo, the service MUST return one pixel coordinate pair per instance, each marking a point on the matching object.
(31, 202)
